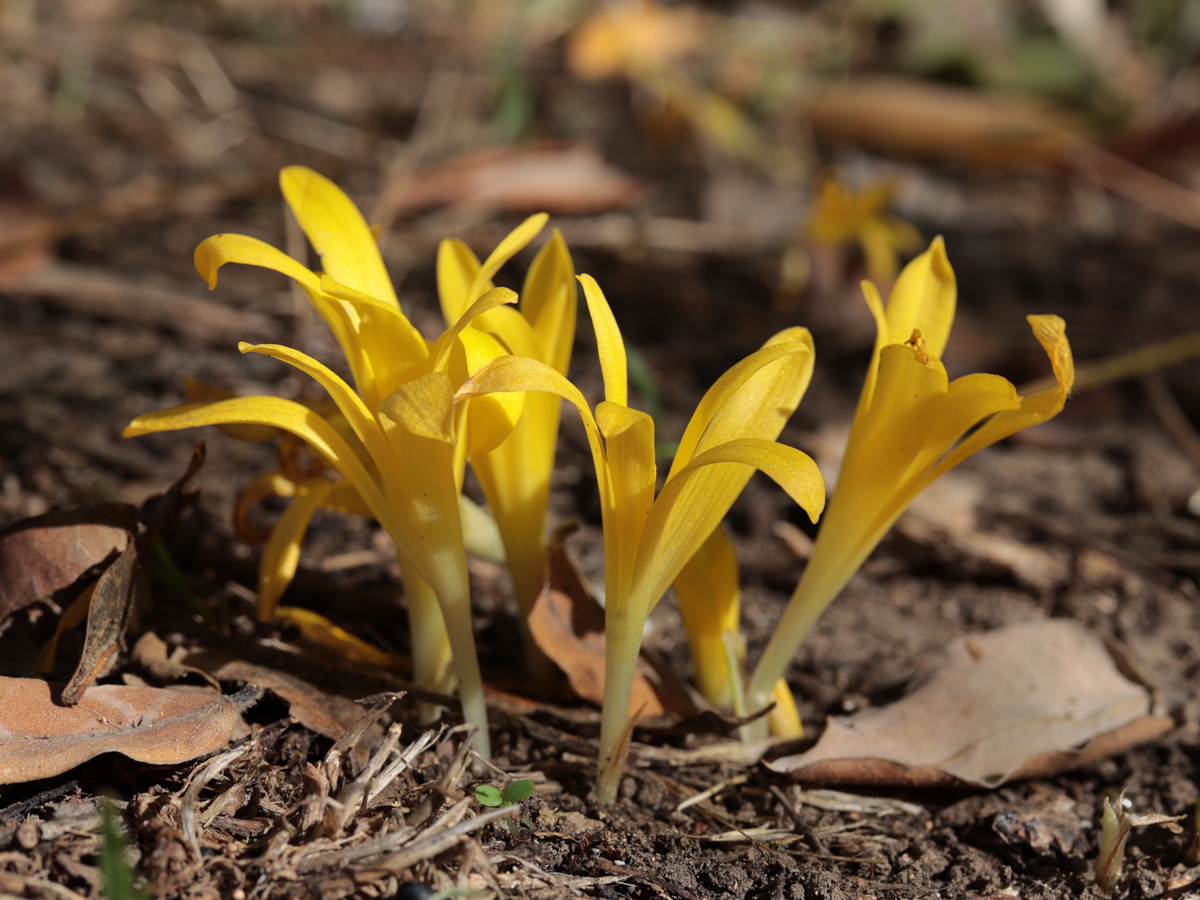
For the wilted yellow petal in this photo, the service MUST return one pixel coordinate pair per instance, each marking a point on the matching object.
(1051, 334)
(281, 555)
(320, 630)
(272, 484)
(336, 229)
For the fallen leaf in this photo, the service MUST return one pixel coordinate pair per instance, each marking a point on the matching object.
(558, 180)
(108, 616)
(568, 625)
(915, 118)
(43, 555)
(1025, 701)
(39, 739)
(327, 714)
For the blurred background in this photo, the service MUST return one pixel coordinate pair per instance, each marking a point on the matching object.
(724, 168)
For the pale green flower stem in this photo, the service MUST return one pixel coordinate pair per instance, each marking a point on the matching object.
(431, 658)
(621, 653)
(822, 581)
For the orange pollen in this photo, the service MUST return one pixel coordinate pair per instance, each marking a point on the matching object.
(918, 344)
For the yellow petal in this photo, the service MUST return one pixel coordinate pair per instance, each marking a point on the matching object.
(548, 302)
(424, 407)
(202, 392)
(754, 398)
(1051, 334)
(691, 504)
(709, 596)
(493, 298)
(513, 242)
(519, 373)
(610, 346)
(369, 338)
(489, 420)
(784, 719)
(924, 298)
(365, 428)
(281, 555)
(216, 251)
(888, 435)
(629, 449)
(320, 630)
(294, 418)
(381, 344)
(336, 229)
(457, 267)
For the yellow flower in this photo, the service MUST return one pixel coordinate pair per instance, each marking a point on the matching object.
(406, 436)
(516, 475)
(648, 538)
(911, 426)
(840, 215)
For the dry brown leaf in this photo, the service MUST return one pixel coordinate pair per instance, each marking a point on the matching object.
(1025, 701)
(327, 714)
(46, 554)
(555, 179)
(568, 625)
(108, 616)
(39, 739)
(915, 118)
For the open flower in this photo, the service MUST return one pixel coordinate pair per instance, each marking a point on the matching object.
(516, 475)
(912, 425)
(648, 538)
(404, 435)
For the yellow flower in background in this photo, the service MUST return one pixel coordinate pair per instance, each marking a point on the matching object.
(648, 43)
(404, 436)
(633, 37)
(912, 425)
(649, 538)
(841, 215)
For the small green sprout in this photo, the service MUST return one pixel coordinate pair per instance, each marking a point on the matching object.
(118, 879)
(1115, 825)
(512, 793)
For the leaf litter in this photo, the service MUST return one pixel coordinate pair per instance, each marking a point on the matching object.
(1027, 701)
(39, 738)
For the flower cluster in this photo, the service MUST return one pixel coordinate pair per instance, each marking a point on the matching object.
(394, 444)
